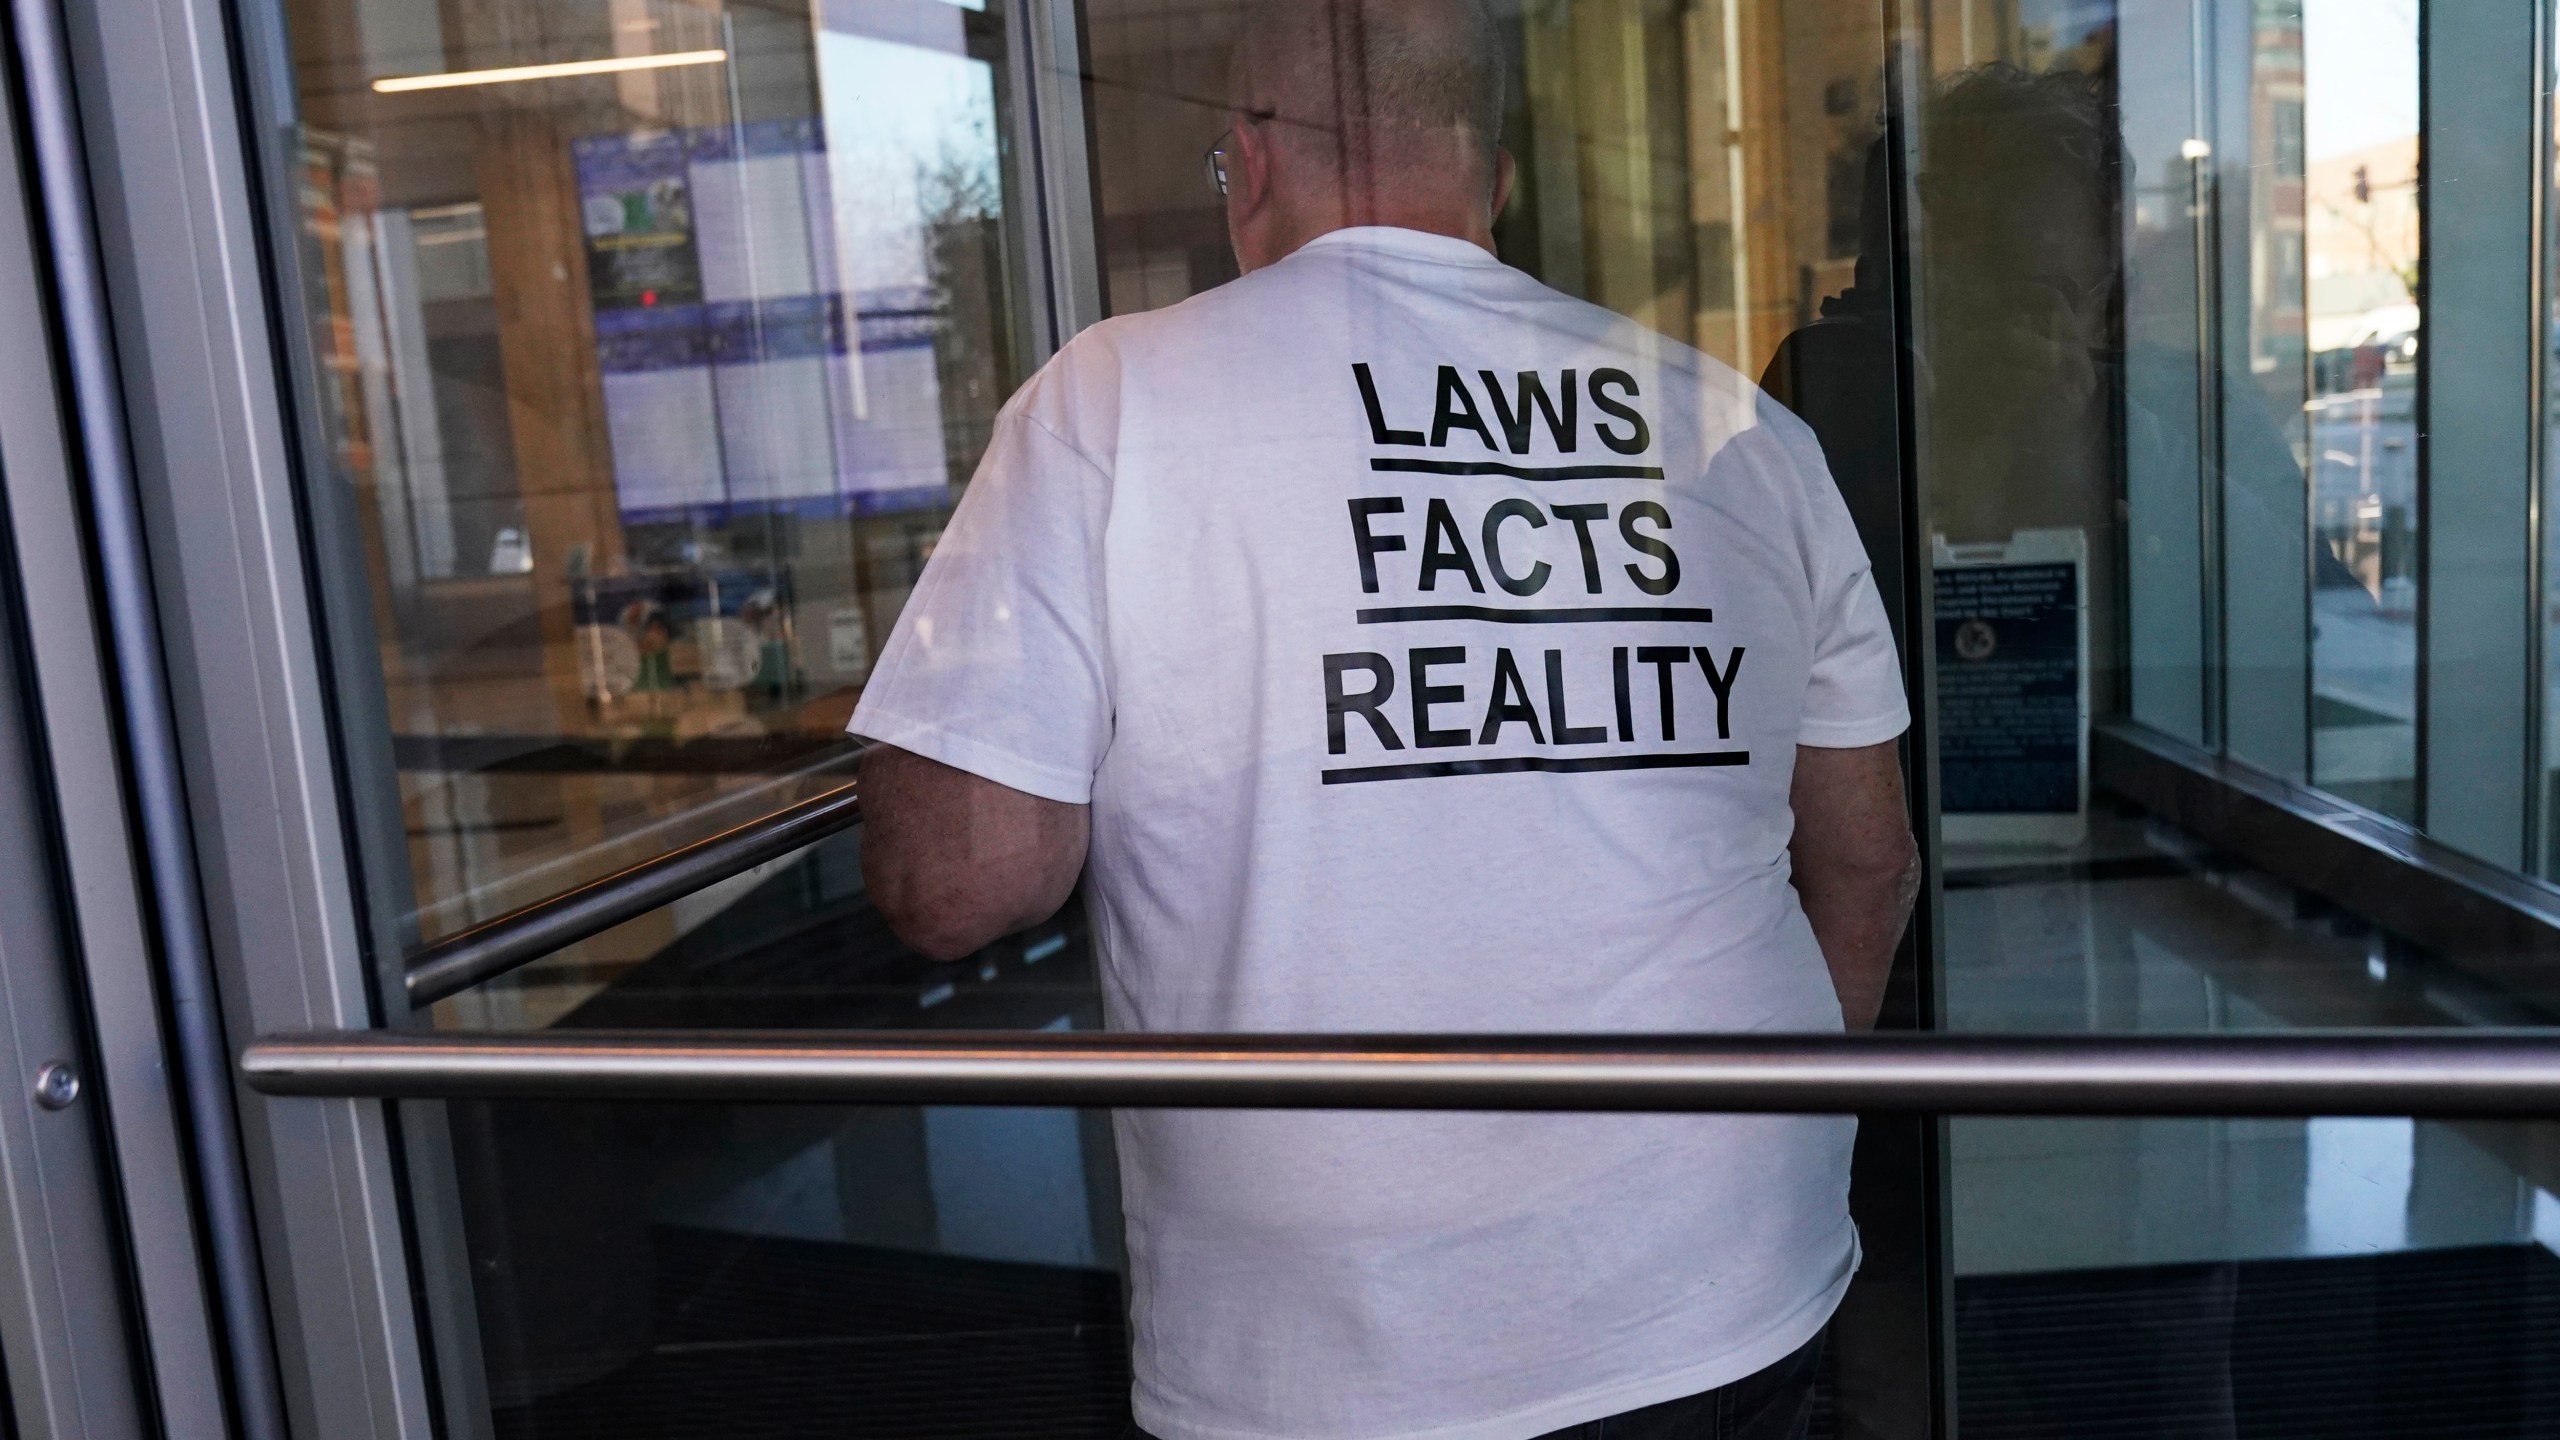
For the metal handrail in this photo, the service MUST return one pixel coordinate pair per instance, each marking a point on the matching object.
(522, 936)
(2435, 1074)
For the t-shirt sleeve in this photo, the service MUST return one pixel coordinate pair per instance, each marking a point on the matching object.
(999, 663)
(1853, 696)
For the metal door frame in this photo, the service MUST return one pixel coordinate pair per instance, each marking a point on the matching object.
(76, 1360)
(302, 1253)
(106, 1281)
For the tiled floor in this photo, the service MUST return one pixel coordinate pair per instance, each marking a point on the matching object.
(2140, 931)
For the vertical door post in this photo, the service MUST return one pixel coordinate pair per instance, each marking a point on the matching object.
(2481, 175)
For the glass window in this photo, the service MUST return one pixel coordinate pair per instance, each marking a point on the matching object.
(2359, 77)
(654, 341)
(2271, 333)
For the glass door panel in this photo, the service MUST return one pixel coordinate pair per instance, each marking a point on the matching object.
(653, 341)
(650, 344)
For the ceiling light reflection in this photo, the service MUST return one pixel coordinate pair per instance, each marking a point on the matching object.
(566, 69)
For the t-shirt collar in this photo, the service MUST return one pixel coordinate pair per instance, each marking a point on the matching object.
(1414, 244)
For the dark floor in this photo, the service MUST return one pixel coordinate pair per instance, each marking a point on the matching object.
(764, 1339)
(2427, 1343)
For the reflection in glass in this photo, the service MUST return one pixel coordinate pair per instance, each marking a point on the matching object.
(2360, 244)
(652, 390)
(2018, 255)
(2270, 351)
(2253, 359)
(637, 402)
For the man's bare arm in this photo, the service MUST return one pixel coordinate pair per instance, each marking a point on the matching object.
(1856, 868)
(955, 860)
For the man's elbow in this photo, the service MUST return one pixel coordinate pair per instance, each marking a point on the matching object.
(1899, 874)
(933, 922)
(1890, 861)
(1883, 872)
(1909, 876)
(955, 862)
(945, 912)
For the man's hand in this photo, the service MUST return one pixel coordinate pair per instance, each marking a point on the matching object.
(1856, 868)
(954, 860)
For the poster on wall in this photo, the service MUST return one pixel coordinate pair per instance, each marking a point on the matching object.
(742, 371)
(635, 204)
(769, 374)
(888, 403)
(756, 189)
(2013, 689)
(659, 414)
(644, 282)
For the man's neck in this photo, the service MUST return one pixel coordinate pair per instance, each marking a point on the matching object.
(1474, 227)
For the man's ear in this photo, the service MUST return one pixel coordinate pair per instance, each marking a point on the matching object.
(1505, 170)
(1249, 170)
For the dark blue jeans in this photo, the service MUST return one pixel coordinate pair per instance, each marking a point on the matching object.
(1774, 1404)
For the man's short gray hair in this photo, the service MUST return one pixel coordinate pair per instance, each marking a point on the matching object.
(1382, 65)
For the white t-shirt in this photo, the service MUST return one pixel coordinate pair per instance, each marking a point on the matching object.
(1432, 648)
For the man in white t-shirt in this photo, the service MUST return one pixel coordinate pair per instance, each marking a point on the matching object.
(1395, 644)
